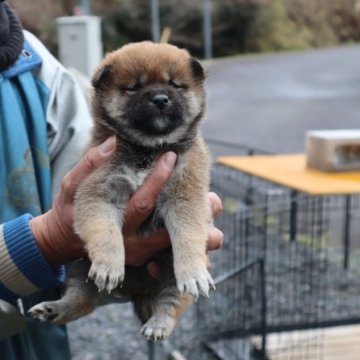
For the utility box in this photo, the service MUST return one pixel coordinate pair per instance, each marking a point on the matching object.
(80, 44)
(333, 150)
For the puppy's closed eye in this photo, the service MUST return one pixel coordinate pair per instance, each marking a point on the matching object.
(177, 84)
(132, 88)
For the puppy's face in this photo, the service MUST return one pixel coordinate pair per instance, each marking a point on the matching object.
(149, 93)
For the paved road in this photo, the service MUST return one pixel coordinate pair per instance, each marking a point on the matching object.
(270, 101)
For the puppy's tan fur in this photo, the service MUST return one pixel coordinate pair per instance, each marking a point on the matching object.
(151, 96)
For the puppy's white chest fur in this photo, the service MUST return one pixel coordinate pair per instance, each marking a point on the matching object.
(135, 177)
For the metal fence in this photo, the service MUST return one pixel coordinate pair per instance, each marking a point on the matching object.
(288, 268)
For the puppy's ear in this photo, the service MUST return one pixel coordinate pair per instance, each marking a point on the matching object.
(197, 69)
(101, 76)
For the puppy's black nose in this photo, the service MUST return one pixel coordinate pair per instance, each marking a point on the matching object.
(160, 100)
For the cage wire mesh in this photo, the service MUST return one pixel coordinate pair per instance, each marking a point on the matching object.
(289, 267)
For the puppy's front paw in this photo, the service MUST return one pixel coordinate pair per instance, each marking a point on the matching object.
(194, 282)
(107, 275)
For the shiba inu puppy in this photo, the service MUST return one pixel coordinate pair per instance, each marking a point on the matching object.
(152, 98)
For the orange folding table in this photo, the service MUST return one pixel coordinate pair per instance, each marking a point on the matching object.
(290, 171)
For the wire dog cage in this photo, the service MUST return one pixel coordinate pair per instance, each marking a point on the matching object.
(289, 268)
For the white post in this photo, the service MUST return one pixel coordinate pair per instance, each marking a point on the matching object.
(80, 44)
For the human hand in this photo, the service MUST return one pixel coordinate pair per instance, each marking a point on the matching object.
(140, 249)
(53, 231)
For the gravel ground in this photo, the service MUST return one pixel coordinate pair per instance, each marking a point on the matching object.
(111, 332)
(305, 284)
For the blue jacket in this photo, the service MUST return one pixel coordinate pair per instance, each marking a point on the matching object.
(44, 125)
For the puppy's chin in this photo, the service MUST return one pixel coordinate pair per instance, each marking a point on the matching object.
(159, 134)
(158, 125)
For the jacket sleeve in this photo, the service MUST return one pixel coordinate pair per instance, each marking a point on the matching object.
(23, 269)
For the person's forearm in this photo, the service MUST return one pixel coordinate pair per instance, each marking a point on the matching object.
(23, 268)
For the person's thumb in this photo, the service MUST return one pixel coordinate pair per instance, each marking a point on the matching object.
(89, 162)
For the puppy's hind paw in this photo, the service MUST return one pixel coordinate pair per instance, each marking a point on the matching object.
(46, 311)
(155, 332)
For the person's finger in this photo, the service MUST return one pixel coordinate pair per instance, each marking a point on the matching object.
(215, 203)
(214, 242)
(155, 270)
(215, 239)
(89, 162)
(141, 249)
(142, 203)
(157, 241)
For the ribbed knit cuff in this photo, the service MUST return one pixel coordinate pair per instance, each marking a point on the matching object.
(29, 262)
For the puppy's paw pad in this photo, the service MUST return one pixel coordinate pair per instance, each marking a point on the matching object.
(196, 283)
(107, 276)
(46, 311)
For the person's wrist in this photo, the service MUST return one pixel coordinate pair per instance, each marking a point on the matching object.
(41, 232)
